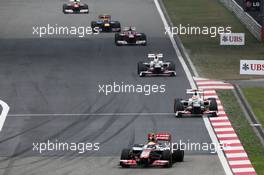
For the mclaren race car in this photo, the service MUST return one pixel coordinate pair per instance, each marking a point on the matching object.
(196, 105)
(129, 36)
(105, 24)
(156, 67)
(75, 6)
(157, 152)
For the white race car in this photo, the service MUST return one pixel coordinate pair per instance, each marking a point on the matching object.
(196, 105)
(156, 67)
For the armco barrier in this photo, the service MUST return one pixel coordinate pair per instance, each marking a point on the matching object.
(251, 24)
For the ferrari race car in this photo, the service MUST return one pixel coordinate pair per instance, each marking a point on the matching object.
(157, 152)
(156, 67)
(129, 36)
(75, 6)
(105, 24)
(195, 106)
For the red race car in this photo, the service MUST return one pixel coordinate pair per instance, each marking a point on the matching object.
(157, 152)
(75, 6)
(129, 36)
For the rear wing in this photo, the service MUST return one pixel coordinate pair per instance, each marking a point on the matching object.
(153, 55)
(162, 136)
(193, 91)
(127, 28)
(104, 17)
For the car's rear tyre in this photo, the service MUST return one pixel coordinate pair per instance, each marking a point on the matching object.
(117, 38)
(141, 68)
(116, 25)
(213, 104)
(178, 106)
(166, 155)
(125, 156)
(144, 37)
(64, 8)
(93, 25)
(214, 114)
(86, 7)
(178, 154)
(171, 66)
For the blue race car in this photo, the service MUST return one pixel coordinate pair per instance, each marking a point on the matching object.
(105, 24)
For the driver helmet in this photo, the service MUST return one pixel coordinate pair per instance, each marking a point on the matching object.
(195, 96)
(152, 138)
(156, 59)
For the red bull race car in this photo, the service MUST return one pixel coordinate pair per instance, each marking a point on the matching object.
(75, 6)
(105, 24)
(157, 152)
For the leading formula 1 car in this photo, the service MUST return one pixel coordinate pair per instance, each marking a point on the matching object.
(157, 152)
(195, 106)
(75, 6)
(156, 67)
(105, 24)
(129, 36)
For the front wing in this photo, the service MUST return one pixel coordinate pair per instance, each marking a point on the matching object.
(134, 163)
(127, 42)
(69, 9)
(165, 73)
(190, 114)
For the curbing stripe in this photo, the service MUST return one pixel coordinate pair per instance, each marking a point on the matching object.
(234, 151)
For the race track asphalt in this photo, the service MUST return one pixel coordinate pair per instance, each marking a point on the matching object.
(61, 74)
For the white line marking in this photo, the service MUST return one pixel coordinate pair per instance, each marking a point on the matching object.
(178, 53)
(3, 113)
(232, 155)
(211, 96)
(233, 148)
(223, 129)
(196, 78)
(226, 135)
(90, 114)
(212, 82)
(221, 123)
(219, 118)
(239, 162)
(230, 141)
(221, 112)
(255, 124)
(216, 87)
(238, 170)
(193, 85)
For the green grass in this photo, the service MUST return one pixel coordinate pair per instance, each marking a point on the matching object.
(255, 96)
(220, 62)
(244, 130)
(211, 59)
